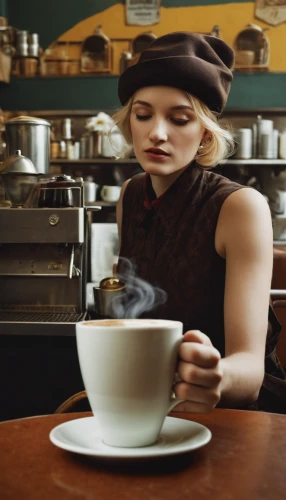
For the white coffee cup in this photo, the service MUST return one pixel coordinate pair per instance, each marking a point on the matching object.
(128, 369)
(110, 193)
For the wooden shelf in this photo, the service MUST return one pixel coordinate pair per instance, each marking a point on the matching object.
(249, 67)
(100, 203)
(93, 161)
(254, 161)
(134, 161)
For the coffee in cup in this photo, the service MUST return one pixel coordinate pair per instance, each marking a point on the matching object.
(128, 369)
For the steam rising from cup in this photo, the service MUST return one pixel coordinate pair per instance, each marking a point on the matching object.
(138, 297)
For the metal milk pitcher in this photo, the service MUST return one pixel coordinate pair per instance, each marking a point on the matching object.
(108, 289)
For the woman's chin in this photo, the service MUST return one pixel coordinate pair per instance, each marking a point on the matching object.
(157, 171)
(161, 170)
(154, 168)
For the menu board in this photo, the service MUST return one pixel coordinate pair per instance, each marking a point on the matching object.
(142, 12)
(272, 12)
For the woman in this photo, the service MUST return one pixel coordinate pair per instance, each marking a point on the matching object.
(203, 239)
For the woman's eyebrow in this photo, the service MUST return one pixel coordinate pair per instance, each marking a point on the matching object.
(173, 108)
(144, 103)
(182, 106)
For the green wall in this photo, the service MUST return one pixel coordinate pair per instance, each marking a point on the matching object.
(50, 18)
(250, 91)
(3, 8)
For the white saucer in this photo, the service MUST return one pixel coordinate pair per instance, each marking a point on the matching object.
(177, 436)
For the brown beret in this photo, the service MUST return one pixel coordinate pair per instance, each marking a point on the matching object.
(198, 64)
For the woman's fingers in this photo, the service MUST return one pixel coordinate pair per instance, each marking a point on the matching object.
(196, 336)
(198, 395)
(191, 407)
(199, 373)
(202, 355)
(193, 374)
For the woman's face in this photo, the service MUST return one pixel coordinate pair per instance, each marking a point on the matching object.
(165, 131)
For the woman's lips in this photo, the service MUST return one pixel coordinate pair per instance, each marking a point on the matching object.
(157, 154)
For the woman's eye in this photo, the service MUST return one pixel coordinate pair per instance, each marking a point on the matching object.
(142, 117)
(180, 122)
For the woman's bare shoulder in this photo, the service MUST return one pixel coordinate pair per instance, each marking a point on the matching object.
(244, 200)
(119, 208)
(122, 191)
(244, 218)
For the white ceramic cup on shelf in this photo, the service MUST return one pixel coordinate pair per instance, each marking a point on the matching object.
(128, 369)
(281, 203)
(110, 193)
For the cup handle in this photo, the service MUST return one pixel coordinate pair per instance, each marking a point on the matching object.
(174, 402)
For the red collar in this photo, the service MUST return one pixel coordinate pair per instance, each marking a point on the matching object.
(150, 199)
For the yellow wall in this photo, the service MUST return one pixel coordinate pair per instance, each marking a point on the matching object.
(231, 18)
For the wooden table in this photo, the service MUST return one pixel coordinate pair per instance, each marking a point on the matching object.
(245, 460)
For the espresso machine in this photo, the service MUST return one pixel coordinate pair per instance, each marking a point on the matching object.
(43, 251)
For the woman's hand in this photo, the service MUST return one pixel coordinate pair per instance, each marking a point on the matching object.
(200, 373)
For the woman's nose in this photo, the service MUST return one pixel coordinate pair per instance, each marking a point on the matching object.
(158, 132)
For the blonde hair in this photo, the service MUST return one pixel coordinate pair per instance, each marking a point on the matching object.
(217, 147)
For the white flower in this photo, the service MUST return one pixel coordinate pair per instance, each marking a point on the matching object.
(102, 122)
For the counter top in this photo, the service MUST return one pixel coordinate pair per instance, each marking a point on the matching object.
(243, 460)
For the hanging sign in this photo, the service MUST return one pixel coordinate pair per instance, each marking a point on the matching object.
(271, 11)
(142, 12)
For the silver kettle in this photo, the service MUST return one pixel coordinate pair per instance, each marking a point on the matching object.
(19, 176)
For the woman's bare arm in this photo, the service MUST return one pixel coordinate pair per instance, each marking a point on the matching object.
(244, 237)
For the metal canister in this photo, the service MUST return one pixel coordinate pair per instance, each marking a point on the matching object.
(254, 140)
(32, 136)
(266, 146)
(83, 143)
(33, 45)
(67, 129)
(63, 149)
(264, 127)
(22, 47)
(104, 295)
(243, 138)
(282, 145)
(275, 143)
(76, 150)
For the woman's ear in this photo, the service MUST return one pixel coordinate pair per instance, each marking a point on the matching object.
(206, 136)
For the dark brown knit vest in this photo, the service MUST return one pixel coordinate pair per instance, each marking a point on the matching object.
(173, 247)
